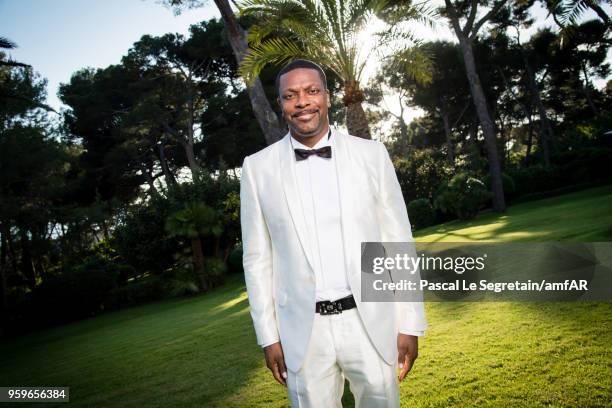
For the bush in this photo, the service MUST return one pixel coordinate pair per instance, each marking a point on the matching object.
(421, 173)
(507, 183)
(235, 259)
(464, 195)
(215, 271)
(421, 213)
(78, 292)
(145, 290)
(534, 179)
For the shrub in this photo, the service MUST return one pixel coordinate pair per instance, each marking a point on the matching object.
(235, 259)
(145, 290)
(534, 179)
(421, 173)
(215, 271)
(78, 292)
(507, 183)
(463, 195)
(421, 213)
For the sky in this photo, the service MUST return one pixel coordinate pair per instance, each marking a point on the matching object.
(60, 37)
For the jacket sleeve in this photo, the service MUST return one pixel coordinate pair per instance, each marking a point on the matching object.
(395, 227)
(257, 260)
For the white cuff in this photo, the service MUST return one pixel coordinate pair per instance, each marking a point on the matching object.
(264, 345)
(413, 333)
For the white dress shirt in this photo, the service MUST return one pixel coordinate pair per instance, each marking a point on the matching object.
(318, 188)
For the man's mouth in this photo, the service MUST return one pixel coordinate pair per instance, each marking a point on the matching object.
(306, 114)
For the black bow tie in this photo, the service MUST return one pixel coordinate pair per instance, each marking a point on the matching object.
(303, 154)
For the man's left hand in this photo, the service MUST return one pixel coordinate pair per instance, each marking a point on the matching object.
(407, 352)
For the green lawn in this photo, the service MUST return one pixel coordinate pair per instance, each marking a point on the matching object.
(201, 351)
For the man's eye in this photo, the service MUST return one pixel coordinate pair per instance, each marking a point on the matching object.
(313, 91)
(288, 96)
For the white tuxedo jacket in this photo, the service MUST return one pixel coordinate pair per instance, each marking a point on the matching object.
(278, 262)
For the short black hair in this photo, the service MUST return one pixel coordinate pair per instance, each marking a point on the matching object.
(300, 63)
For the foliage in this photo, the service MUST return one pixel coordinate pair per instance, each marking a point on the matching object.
(421, 173)
(196, 219)
(235, 259)
(421, 213)
(77, 292)
(141, 240)
(463, 195)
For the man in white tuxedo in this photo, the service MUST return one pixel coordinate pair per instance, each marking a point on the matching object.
(307, 204)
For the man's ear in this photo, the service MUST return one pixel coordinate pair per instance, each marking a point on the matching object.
(328, 98)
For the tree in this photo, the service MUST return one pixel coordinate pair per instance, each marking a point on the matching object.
(323, 31)
(517, 17)
(265, 115)
(17, 96)
(444, 94)
(32, 168)
(466, 35)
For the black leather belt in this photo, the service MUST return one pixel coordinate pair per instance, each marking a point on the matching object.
(327, 307)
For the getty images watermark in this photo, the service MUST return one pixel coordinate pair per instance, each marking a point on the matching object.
(408, 271)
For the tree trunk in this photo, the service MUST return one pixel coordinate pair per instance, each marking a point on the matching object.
(27, 267)
(488, 128)
(403, 142)
(546, 131)
(168, 176)
(193, 165)
(198, 262)
(450, 149)
(599, 11)
(356, 121)
(502, 133)
(403, 136)
(529, 138)
(587, 90)
(265, 115)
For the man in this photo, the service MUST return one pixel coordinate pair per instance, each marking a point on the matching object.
(307, 203)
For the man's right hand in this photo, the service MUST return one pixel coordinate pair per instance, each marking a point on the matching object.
(275, 360)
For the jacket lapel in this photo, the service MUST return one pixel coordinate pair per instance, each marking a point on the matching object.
(292, 196)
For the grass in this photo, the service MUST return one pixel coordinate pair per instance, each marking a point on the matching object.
(201, 351)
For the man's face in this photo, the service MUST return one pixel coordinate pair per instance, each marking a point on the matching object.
(304, 101)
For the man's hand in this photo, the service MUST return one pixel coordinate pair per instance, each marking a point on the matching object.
(275, 360)
(407, 352)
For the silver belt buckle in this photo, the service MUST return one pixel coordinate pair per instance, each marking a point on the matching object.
(330, 308)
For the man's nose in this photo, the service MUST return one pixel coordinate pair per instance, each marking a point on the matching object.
(301, 101)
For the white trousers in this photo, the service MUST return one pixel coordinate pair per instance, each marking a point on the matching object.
(339, 346)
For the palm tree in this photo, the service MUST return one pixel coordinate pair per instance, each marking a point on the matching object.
(324, 31)
(8, 64)
(7, 44)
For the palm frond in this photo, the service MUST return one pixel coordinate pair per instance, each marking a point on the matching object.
(7, 44)
(571, 11)
(415, 61)
(274, 51)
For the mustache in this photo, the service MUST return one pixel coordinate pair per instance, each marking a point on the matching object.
(304, 112)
